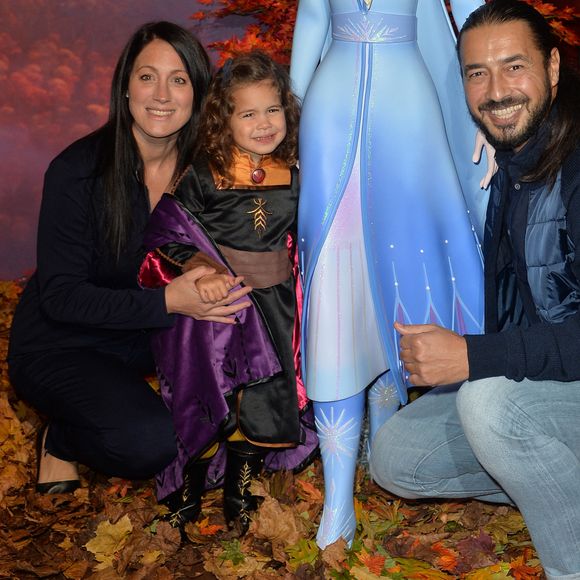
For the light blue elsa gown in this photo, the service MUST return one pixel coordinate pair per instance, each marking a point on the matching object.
(390, 208)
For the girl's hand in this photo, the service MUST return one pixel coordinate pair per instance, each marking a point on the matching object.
(214, 287)
(480, 143)
(182, 297)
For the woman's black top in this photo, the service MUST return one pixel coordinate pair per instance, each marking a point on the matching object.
(79, 296)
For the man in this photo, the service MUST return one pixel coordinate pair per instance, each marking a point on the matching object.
(511, 433)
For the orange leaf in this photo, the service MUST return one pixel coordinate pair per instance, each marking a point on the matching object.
(521, 571)
(373, 563)
(205, 529)
(447, 558)
(310, 492)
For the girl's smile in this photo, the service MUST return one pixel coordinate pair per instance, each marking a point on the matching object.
(258, 123)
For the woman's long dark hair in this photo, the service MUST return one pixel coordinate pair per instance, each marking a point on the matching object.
(119, 159)
(565, 122)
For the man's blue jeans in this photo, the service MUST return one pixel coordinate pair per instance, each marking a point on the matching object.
(494, 440)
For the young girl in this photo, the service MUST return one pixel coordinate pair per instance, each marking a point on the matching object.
(232, 389)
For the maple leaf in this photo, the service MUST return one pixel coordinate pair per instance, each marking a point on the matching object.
(477, 552)
(500, 528)
(205, 529)
(566, 34)
(520, 570)
(277, 523)
(335, 554)
(447, 559)
(119, 487)
(498, 571)
(303, 552)
(308, 491)
(362, 574)
(152, 556)
(374, 563)
(232, 551)
(476, 514)
(76, 571)
(412, 569)
(109, 539)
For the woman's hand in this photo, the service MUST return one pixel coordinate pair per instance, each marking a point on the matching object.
(182, 297)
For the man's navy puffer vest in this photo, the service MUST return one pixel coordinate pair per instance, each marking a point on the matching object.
(549, 253)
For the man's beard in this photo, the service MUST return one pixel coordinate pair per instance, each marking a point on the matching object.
(509, 138)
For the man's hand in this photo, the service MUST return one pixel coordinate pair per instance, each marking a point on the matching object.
(432, 355)
(182, 297)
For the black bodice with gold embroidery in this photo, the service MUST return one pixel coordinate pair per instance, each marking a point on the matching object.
(247, 216)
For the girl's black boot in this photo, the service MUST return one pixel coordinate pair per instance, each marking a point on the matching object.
(185, 503)
(244, 463)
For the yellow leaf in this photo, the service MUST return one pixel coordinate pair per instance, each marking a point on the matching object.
(109, 539)
(66, 544)
(362, 574)
(496, 572)
(152, 556)
(501, 527)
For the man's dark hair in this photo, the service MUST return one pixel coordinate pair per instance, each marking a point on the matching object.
(565, 122)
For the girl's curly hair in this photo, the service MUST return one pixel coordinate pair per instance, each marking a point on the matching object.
(215, 139)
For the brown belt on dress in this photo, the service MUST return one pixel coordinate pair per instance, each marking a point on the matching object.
(259, 269)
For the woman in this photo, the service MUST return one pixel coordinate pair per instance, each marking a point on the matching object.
(79, 349)
(384, 230)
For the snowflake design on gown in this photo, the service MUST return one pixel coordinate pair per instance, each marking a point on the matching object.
(383, 394)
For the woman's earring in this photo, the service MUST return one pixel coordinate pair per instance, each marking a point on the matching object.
(127, 95)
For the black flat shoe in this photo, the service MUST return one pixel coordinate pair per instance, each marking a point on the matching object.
(50, 487)
(58, 486)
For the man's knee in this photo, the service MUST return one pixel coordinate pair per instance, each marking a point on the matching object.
(486, 413)
(479, 402)
(389, 463)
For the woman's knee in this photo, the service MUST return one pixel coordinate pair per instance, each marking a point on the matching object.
(139, 451)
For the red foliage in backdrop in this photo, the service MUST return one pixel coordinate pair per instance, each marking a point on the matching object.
(274, 24)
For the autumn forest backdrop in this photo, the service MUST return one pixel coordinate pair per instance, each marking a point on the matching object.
(56, 61)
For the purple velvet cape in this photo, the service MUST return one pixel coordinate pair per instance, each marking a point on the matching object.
(199, 362)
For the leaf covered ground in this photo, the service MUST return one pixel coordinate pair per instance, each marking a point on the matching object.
(111, 528)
